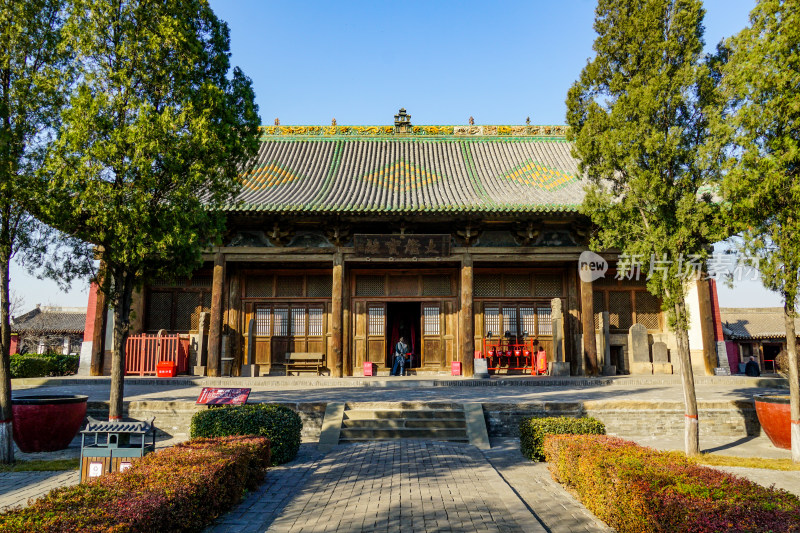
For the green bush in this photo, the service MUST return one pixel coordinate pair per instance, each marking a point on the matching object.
(278, 423)
(533, 430)
(179, 489)
(635, 489)
(43, 365)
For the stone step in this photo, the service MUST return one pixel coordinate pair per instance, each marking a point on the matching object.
(347, 434)
(374, 439)
(379, 423)
(441, 414)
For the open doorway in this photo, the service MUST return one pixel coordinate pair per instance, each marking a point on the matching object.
(403, 319)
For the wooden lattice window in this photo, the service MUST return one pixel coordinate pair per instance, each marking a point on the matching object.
(510, 321)
(315, 321)
(544, 320)
(263, 315)
(599, 299)
(487, 285)
(431, 317)
(186, 307)
(436, 285)
(375, 324)
(648, 310)
(518, 285)
(258, 287)
(298, 321)
(320, 286)
(527, 316)
(201, 281)
(548, 285)
(289, 286)
(281, 322)
(159, 311)
(619, 310)
(370, 286)
(491, 320)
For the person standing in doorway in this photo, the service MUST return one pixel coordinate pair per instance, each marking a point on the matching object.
(751, 368)
(400, 351)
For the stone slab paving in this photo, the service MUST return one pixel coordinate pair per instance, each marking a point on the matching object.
(559, 510)
(781, 479)
(18, 488)
(385, 486)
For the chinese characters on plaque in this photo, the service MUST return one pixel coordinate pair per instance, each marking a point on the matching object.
(402, 246)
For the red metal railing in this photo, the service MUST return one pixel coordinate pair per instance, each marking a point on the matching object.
(503, 355)
(144, 352)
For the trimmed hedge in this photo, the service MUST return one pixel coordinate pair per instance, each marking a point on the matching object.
(640, 490)
(533, 430)
(43, 365)
(278, 423)
(183, 488)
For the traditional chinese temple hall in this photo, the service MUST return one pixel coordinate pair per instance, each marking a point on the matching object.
(463, 239)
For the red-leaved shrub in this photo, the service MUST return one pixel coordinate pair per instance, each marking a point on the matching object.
(641, 490)
(182, 488)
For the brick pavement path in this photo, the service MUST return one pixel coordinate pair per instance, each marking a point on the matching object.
(16, 488)
(385, 486)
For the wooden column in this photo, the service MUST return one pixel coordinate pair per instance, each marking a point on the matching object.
(215, 328)
(467, 322)
(572, 324)
(234, 323)
(707, 326)
(587, 321)
(99, 332)
(137, 312)
(347, 353)
(336, 315)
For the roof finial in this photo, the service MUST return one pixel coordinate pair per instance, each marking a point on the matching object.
(333, 121)
(471, 121)
(402, 122)
(528, 121)
(277, 122)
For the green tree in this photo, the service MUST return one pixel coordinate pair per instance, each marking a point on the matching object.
(759, 131)
(33, 76)
(152, 141)
(639, 116)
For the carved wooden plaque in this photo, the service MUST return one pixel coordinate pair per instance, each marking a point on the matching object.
(402, 246)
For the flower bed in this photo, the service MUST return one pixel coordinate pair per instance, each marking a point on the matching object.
(533, 430)
(182, 488)
(637, 489)
(278, 423)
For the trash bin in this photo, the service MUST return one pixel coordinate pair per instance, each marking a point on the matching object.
(166, 369)
(115, 446)
(369, 368)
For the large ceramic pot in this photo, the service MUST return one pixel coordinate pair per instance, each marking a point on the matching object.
(45, 423)
(773, 415)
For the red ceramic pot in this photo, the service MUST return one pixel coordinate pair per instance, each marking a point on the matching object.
(46, 423)
(773, 415)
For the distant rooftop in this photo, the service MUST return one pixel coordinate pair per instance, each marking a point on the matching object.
(742, 323)
(51, 320)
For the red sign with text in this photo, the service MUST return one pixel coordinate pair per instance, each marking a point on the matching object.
(215, 396)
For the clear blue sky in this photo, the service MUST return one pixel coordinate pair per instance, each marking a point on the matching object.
(444, 61)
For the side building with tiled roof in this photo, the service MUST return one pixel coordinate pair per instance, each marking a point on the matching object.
(48, 329)
(759, 332)
(463, 239)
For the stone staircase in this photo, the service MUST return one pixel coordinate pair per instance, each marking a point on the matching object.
(377, 421)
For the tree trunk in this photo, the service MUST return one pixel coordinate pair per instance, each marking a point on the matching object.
(692, 428)
(794, 378)
(6, 414)
(123, 293)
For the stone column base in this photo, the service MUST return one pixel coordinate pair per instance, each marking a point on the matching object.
(558, 369)
(642, 368)
(662, 368)
(609, 370)
(249, 371)
(480, 369)
(199, 370)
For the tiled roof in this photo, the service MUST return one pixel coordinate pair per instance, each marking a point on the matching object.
(754, 322)
(366, 171)
(50, 321)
